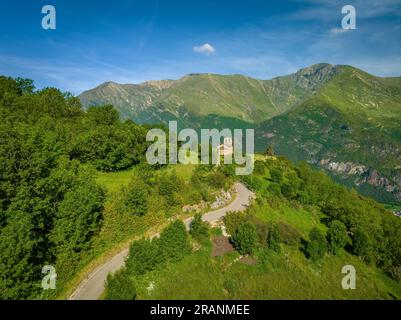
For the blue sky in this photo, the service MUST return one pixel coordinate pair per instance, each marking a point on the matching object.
(134, 41)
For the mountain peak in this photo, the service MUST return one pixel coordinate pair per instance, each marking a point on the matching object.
(315, 76)
(106, 84)
(158, 84)
(316, 68)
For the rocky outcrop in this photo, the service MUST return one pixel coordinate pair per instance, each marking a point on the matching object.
(347, 168)
(222, 199)
(195, 207)
(364, 175)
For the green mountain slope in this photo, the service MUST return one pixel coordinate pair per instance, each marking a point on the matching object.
(338, 118)
(129, 99)
(233, 96)
(351, 128)
(275, 258)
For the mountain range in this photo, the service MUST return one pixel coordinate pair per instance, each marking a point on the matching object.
(337, 118)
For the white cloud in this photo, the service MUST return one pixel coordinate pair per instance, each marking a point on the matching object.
(206, 49)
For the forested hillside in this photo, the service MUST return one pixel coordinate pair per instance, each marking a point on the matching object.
(350, 128)
(337, 118)
(74, 186)
(50, 205)
(291, 243)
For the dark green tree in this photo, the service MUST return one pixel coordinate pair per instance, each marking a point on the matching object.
(22, 254)
(317, 244)
(273, 241)
(245, 238)
(137, 198)
(25, 85)
(232, 221)
(174, 241)
(217, 179)
(78, 217)
(144, 256)
(120, 286)
(337, 236)
(103, 115)
(362, 245)
(199, 229)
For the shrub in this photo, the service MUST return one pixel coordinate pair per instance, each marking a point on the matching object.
(337, 236)
(136, 199)
(170, 183)
(174, 242)
(252, 182)
(362, 245)
(228, 170)
(217, 179)
(233, 220)
(288, 234)
(262, 230)
(317, 245)
(274, 189)
(245, 238)
(276, 175)
(144, 256)
(273, 241)
(119, 286)
(199, 228)
(169, 187)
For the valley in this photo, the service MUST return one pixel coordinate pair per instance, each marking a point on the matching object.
(337, 118)
(78, 194)
(191, 158)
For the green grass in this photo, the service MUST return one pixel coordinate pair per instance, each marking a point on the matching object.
(113, 181)
(263, 157)
(392, 207)
(183, 171)
(288, 275)
(120, 227)
(301, 219)
(285, 275)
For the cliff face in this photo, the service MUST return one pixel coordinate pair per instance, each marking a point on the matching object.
(351, 127)
(361, 175)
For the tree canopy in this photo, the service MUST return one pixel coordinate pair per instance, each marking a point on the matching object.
(50, 204)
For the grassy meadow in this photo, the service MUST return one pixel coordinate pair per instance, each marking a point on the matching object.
(285, 275)
(120, 226)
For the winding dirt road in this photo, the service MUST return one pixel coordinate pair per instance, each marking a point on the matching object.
(93, 286)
